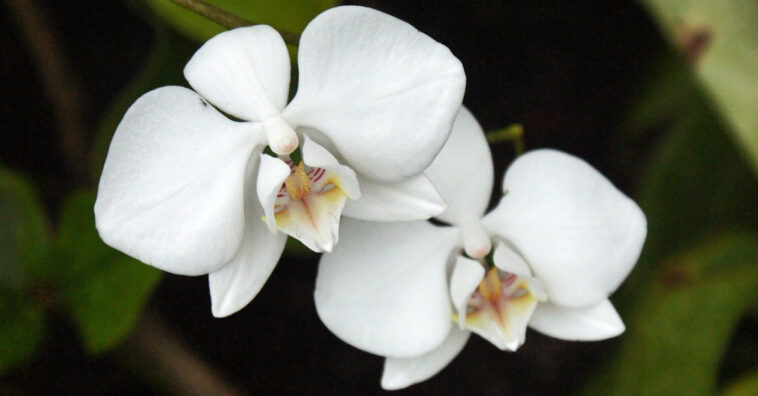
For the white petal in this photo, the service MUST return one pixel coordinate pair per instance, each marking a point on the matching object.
(462, 172)
(316, 156)
(594, 323)
(171, 192)
(509, 261)
(411, 199)
(580, 235)
(383, 92)
(244, 72)
(384, 289)
(401, 373)
(466, 276)
(273, 172)
(239, 281)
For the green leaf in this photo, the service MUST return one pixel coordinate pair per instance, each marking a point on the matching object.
(107, 304)
(24, 231)
(720, 39)
(745, 386)
(696, 183)
(163, 67)
(21, 331)
(290, 15)
(104, 289)
(680, 325)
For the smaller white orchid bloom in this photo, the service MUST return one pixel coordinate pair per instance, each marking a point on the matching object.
(564, 238)
(190, 191)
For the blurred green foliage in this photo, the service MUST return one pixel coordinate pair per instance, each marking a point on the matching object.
(290, 15)
(698, 274)
(24, 245)
(720, 40)
(104, 289)
(71, 272)
(683, 318)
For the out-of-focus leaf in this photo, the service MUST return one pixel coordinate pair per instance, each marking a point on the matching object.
(164, 67)
(290, 15)
(745, 386)
(681, 324)
(21, 331)
(104, 289)
(24, 231)
(720, 39)
(107, 304)
(696, 183)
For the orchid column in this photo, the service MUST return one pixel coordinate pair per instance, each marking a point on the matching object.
(190, 191)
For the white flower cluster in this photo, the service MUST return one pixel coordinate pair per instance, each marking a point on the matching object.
(375, 133)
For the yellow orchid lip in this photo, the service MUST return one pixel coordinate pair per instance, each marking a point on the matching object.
(308, 206)
(499, 309)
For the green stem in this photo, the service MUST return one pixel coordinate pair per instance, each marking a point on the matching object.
(228, 20)
(512, 133)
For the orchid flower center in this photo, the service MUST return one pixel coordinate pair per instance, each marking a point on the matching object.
(500, 308)
(309, 204)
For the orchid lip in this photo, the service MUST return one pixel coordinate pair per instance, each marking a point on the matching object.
(500, 307)
(308, 206)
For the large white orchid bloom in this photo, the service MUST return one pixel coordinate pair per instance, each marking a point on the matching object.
(189, 191)
(564, 239)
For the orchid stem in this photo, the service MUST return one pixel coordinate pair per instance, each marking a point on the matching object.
(227, 19)
(60, 84)
(157, 354)
(512, 133)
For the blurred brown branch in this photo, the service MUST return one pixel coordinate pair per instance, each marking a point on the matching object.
(60, 84)
(160, 356)
(228, 20)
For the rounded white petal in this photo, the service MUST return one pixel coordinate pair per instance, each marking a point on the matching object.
(462, 171)
(316, 156)
(383, 92)
(244, 72)
(415, 198)
(171, 192)
(593, 323)
(464, 280)
(509, 261)
(236, 284)
(580, 235)
(401, 373)
(383, 288)
(273, 172)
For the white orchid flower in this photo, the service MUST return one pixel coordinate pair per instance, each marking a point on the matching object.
(187, 190)
(564, 238)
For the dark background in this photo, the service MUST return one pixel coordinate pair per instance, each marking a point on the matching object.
(565, 70)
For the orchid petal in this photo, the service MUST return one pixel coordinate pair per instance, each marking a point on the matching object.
(236, 284)
(384, 289)
(383, 92)
(413, 199)
(171, 192)
(401, 373)
(593, 323)
(244, 72)
(580, 235)
(464, 280)
(273, 172)
(316, 156)
(462, 171)
(509, 261)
